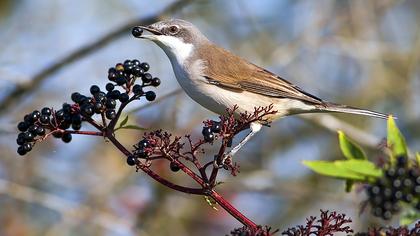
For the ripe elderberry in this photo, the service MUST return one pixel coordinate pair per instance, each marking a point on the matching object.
(66, 137)
(216, 127)
(137, 31)
(155, 82)
(22, 126)
(145, 66)
(110, 114)
(208, 134)
(146, 78)
(150, 95)
(143, 144)
(94, 89)
(131, 160)
(174, 166)
(399, 184)
(137, 89)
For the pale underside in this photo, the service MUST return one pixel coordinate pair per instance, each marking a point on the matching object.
(216, 91)
(218, 79)
(218, 98)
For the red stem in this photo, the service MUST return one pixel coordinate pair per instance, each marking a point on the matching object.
(85, 132)
(152, 174)
(233, 211)
(198, 191)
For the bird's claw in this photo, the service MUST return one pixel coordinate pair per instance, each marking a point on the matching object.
(226, 160)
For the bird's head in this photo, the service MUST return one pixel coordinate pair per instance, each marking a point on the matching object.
(178, 38)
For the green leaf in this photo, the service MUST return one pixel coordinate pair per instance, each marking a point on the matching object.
(333, 169)
(395, 140)
(350, 149)
(409, 217)
(353, 170)
(362, 167)
(123, 122)
(132, 127)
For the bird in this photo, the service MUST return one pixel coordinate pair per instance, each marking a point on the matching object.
(218, 80)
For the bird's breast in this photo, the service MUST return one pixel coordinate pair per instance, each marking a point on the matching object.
(218, 99)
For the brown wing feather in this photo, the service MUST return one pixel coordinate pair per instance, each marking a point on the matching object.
(229, 71)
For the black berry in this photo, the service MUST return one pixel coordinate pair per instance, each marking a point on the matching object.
(209, 137)
(58, 134)
(131, 160)
(137, 89)
(59, 115)
(76, 119)
(145, 66)
(20, 141)
(124, 97)
(66, 137)
(44, 119)
(150, 95)
(46, 111)
(35, 115)
(40, 131)
(76, 126)
(109, 87)
(206, 131)
(66, 108)
(111, 103)
(94, 89)
(21, 151)
(112, 76)
(137, 31)
(136, 62)
(98, 107)
(155, 82)
(120, 80)
(29, 136)
(27, 147)
(110, 114)
(402, 161)
(137, 71)
(174, 167)
(146, 78)
(22, 126)
(87, 110)
(143, 144)
(216, 127)
(115, 94)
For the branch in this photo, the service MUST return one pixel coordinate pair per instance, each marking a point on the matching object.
(22, 89)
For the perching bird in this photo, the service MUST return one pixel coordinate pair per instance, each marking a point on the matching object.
(218, 79)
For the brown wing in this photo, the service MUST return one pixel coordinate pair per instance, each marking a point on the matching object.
(229, 71)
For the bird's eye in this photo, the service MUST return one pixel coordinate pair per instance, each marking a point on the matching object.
(173, 29)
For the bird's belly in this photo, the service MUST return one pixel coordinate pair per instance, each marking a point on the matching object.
(217, 99)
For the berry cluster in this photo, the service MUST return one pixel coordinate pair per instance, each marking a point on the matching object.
(125, 75)
(401, 183)
(122, 88)
(209, 130)
(30, 128)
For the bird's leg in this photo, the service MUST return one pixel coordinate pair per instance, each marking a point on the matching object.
(255, 127)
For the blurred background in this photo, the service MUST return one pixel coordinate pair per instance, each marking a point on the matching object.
(361, 53)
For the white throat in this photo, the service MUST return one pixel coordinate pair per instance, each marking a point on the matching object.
(174, 48)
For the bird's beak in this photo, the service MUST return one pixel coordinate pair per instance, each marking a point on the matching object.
(152, 36)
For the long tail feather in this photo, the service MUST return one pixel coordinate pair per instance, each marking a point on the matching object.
(332, 107)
